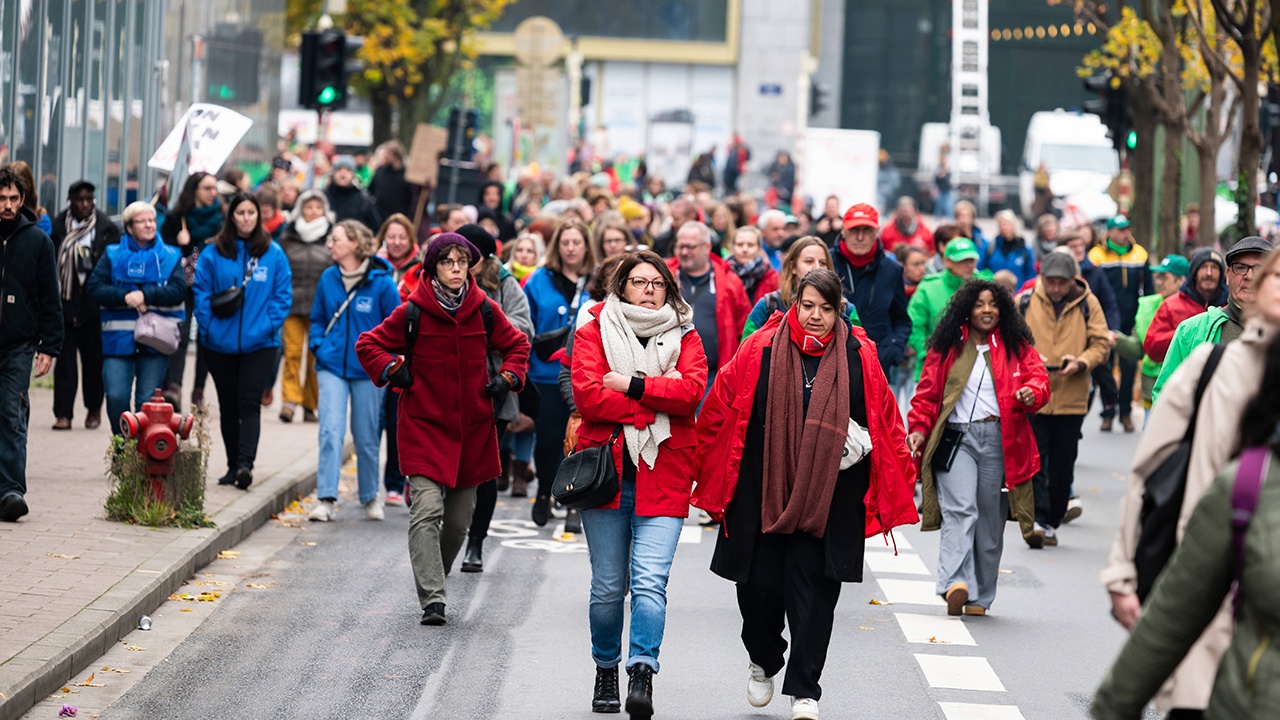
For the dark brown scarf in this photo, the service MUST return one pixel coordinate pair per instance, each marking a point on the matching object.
(802, 452)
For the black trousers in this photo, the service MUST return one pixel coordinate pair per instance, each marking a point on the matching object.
(1058, 440)
(240, 381)
(391, 476)
(549, 427)
(1116, 398)
(84, 338)
(486, 498)
(787, 581)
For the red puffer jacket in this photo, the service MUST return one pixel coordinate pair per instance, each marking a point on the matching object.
(662, 491)
(732, 307)
(722, 433)
(1173, 310)
(1021, 459)
(445, 421)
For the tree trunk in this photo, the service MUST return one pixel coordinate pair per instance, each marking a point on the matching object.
(1208, 154)
(382, 110)
(1250, 144)
(1169, 239)
(1142, 166)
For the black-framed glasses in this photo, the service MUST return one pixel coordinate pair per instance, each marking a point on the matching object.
(452, 263)
(1243, 269)
(641, 283)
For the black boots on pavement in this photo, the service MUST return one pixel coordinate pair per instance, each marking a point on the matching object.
(473, 558)
(433, 614)
(640, 692)
(12, 507)
(605, 699)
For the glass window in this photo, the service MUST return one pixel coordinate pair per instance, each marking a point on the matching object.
(75, 92)
(53, 106)
(26, 112)
(96, 110)
(117, 52)
(8, 44)
(704, 20)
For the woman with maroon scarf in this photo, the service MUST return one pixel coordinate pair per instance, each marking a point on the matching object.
(771, 436)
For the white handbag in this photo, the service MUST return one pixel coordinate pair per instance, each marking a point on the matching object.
(857, 445)
(160, 333)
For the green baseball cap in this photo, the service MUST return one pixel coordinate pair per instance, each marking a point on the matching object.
(960, 249)
(1174, 265)
(1119, 221)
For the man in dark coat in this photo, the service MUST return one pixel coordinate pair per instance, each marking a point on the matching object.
(30, 327)
(346, 199)
(81, 234)
(872, 281)
(391, 192)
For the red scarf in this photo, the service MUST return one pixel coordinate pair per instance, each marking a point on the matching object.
(275, 222)
(809, 344)
(858, 261)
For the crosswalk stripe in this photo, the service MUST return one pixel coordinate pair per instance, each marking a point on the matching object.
(931, 629)
(690, 535)
(967, 711)
(900, 564)
(910, 592)
(959, 673)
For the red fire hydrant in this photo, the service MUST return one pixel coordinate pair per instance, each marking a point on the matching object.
(157, 430)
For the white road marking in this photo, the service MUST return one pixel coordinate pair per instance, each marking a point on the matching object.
(910, 592)
(959, 673)
(900, 564)
(934, 629)
(880, 543)
(966, 711)
(690, 535)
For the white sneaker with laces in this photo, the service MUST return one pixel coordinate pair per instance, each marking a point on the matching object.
(804, 709)
(759, 686)
(373, 510)
(1074, 510)
(322, 512)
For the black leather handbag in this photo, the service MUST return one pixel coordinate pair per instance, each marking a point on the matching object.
(944, 455)
(224, 304)
(588, 478)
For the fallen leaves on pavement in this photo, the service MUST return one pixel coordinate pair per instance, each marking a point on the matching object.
(108, 668)
(879, 602)
(88, 682)
(134, 648)
(64, 557)
(229, 555)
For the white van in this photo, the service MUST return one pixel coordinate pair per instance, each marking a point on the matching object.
(1080, 157)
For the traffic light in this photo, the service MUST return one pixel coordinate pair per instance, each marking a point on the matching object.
(463, 126)
(327, 61)
(1112, 106)
(232, 73)
(817, 98)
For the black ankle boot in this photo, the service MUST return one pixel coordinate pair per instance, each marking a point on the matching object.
(541, 511)
(605, 699)
(473, 558)
(640, 692)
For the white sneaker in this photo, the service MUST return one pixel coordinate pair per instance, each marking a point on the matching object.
(804, 709)
(322, 512)
(759, 686)
(1074, 510)
(373, 510)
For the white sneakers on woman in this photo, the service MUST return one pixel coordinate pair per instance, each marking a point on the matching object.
(322, 512)
(804, 709)
(759, 686)
(373, 510)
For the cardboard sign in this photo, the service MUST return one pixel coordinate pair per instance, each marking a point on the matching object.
(212, 133)
(423, 167)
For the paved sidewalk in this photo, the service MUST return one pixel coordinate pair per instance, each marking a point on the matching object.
(73, 582)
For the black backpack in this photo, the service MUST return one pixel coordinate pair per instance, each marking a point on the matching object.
(1162, 495)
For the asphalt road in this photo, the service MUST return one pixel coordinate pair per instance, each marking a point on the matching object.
(322, 621)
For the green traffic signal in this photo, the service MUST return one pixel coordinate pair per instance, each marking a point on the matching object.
(1132, 141)
(327, 95)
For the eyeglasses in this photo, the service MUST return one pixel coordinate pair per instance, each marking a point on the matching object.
(447, 263)
(641, 283)
(686, 248)
(1243, 269)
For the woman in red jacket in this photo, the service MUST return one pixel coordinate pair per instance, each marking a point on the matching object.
(448, 440)
(981, 377)
(771, 442)
(638, 370)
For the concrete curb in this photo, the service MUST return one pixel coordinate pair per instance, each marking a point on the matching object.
(48, 664)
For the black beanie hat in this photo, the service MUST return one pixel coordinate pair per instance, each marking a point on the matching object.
(479, 237)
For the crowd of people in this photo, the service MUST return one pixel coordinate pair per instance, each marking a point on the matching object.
(808, 370)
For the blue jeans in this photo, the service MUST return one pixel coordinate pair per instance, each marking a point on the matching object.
(15, 411)
(521, 445)
(366, 421)
(621, 542)
(131, 376)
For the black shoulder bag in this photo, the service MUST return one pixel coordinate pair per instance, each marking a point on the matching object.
(1163, 493)
(224, 304)
(588, 478)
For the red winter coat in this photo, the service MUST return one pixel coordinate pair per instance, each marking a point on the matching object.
(1021, 459)
(445, 421)
(722, 433)
(664, 490)
(732, 307)
(770, 282)
(1173, 310)
(892, 236)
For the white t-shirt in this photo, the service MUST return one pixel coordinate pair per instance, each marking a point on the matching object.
(978, 399)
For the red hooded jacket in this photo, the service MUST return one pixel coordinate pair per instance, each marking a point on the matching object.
(664, 490)
(722, 433)
(445, 421)
(1021, 458)
(1173, 310)
(732, 307)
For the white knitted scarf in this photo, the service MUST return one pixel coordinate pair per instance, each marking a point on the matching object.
(621, 324)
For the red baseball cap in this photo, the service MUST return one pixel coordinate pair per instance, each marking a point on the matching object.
(861, 215)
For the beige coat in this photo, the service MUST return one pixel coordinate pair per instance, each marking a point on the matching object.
(1071, 335)
(1216, 443)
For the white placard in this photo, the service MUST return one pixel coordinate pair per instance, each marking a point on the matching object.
(212, 133)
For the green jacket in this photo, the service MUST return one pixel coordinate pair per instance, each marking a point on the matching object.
(1147, 306)
(1189, 593)
(1191, 333)
(927, 305)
